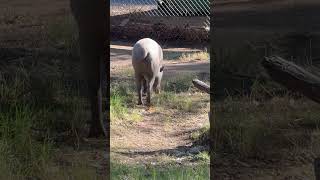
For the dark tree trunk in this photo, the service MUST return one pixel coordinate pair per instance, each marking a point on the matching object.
(91, 18)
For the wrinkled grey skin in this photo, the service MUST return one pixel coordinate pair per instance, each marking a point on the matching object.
(147, 62)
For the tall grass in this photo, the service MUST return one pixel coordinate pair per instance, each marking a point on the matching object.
(34, 115)
(21, 153)
(260, 129)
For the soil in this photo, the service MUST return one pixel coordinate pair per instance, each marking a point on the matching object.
(154, 139)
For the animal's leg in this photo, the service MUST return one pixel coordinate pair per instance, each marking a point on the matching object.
(156, 85)
(149, 90)
(139, 83)
(145, 86)
(159, 83)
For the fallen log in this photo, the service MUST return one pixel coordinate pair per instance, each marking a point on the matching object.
(297, 79)
(293, 77)
(201, 86)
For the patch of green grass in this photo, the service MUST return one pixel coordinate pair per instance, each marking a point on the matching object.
(178, 84)
(195, 56)
(125, 90)
(21, 153)
(118, 108)
(197, 135)
(127, 72)
(177, 101)
(198, 172)
(122, 101)
(203, 156)
(185, 104)
(171, 55)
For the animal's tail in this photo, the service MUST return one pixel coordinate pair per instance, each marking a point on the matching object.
(161, 69)
(147, 57)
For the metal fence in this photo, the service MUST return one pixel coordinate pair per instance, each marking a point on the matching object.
(175, 16)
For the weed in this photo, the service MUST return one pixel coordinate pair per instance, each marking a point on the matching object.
(203, 156)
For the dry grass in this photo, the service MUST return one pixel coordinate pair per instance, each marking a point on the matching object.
(196, 56)
(265, 129)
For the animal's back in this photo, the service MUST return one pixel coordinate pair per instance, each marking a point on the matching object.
(147, 48)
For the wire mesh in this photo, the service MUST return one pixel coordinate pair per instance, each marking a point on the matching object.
(174, 18)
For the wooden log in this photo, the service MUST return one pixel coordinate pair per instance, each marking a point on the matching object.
(201, 85)
(293, 77)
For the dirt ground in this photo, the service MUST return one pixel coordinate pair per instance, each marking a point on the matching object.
(153, 140)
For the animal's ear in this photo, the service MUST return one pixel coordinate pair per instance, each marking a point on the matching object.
(161, 69)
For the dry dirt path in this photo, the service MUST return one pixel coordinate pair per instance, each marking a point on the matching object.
(120, 56)
(160, 136)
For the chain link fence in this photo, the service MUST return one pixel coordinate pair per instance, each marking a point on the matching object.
(186, 21)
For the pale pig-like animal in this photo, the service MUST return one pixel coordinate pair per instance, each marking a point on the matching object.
(147, 61)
